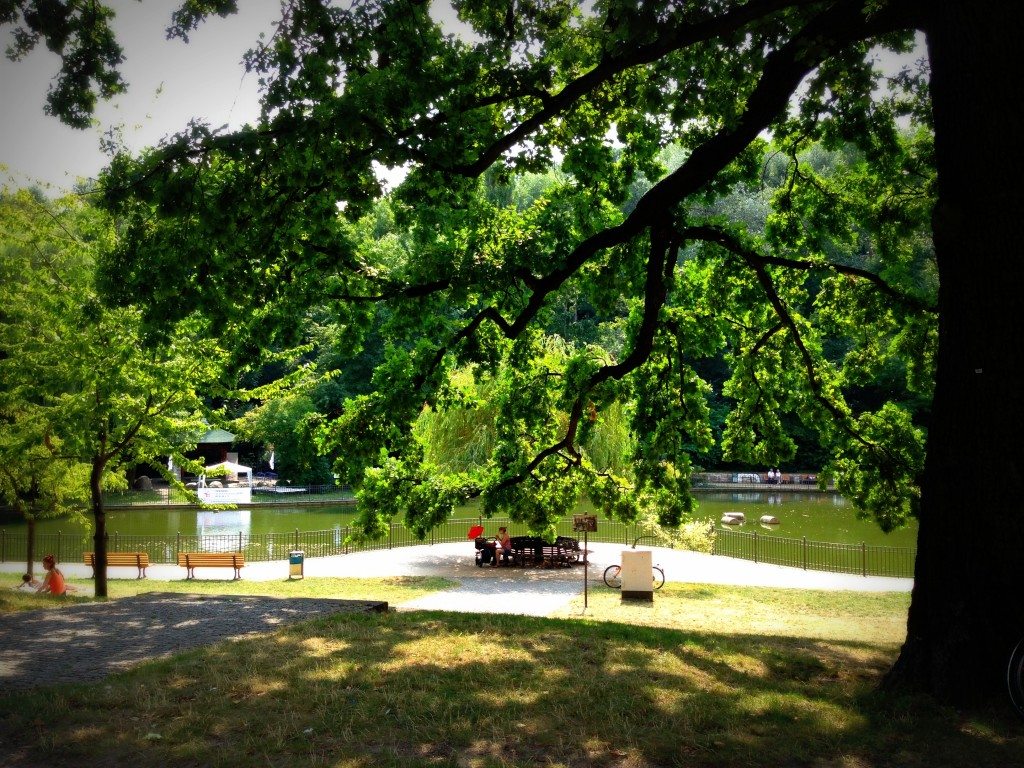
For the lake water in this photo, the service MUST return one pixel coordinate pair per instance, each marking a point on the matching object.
(818, 516)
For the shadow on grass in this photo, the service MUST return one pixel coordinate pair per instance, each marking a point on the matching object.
(489, 690)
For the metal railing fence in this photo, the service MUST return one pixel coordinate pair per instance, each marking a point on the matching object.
(863, 559)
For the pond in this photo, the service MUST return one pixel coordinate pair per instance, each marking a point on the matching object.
(818, 516)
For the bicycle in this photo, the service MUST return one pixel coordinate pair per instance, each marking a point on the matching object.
(613, 576)
(1015, 677)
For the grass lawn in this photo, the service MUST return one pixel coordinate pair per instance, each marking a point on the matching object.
(855, 616)
(707, 676)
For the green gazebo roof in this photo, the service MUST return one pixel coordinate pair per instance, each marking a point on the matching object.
(217, 436)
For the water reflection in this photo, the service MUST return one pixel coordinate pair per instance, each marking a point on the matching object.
(228, 521)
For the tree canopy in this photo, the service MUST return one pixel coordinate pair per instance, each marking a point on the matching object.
(87, 394)
(833, 285)
(475, 281)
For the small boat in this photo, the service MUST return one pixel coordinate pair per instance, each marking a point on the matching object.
(739, 516)
(769, 520)
(728, 519)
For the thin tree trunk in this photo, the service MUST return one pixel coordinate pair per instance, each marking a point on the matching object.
(30, 532)
(100, 533)
(964, 614)
(30, 549)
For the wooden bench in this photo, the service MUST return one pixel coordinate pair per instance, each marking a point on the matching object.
(192, 560)
(139, 560)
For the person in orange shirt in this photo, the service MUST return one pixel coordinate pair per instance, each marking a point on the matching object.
(53, 581)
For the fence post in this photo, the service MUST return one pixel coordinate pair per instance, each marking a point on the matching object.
(391, 535)
(296, 538)
(239, 541)
(805, 553)
(59, 557)
(117, 538)
(863, 559)
(177, 545)
(755, 546)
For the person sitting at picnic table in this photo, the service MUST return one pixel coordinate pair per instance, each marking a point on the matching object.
(503, 545)
(53, 581)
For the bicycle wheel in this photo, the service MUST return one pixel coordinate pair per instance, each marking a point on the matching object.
(659, 577)
(613, 576)
(1015, 677)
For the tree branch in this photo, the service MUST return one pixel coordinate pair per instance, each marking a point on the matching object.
(784, 69)
(660, 268)
(671, 40)
(758, 264)
(728, 241)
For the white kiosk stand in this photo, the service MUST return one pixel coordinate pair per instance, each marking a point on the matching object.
(637, 582)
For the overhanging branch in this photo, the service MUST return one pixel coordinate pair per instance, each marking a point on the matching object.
(758, 264)
(734, 245)
(784, 69)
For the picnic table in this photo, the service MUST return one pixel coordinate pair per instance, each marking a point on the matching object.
(563, 552)
(535, 551)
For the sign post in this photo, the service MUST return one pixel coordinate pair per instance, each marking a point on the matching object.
(585, 523)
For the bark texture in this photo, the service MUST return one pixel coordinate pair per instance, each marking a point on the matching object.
(965, 614)
(100, 533)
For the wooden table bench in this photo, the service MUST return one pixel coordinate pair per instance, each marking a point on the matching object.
(139, 560)
(533, 550)
(192, 560)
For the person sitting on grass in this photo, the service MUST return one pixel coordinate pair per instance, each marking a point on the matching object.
(28, 584)
(53, 581)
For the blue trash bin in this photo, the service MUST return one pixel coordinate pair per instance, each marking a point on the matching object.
(296, 563)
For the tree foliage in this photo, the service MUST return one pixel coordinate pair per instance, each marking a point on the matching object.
(813, 298)
(477, 280)
(84, 385)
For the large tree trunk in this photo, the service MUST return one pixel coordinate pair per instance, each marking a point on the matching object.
(965, 613)
(100, 534)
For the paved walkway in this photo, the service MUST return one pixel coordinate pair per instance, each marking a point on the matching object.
(98, 638)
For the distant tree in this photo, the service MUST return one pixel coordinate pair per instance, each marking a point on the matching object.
(287, 423)
(36, 483)
(83, 377)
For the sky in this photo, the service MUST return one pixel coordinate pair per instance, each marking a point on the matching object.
(169, 82)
